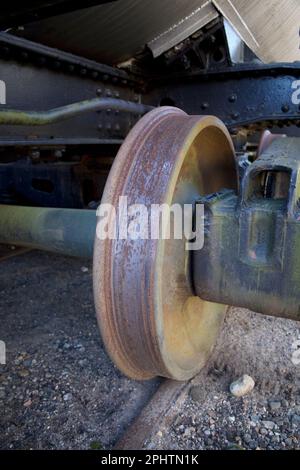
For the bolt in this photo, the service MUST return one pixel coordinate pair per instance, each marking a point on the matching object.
(117, 127)
(58, 153)
(99, 91)
(117, 94)
(108, 92)
(232, 98)
(285, 108)
(71, 68)
(105, 78)
(204, 105)
(41, 60)
(83, 72)
(108, 126)
(35, 154)
(100, 127)
(95, 74)
(235, 115)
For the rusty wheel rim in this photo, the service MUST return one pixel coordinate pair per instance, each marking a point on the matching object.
(150, 320)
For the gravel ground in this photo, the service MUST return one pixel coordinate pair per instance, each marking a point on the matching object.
(59, 390)
(267, 418)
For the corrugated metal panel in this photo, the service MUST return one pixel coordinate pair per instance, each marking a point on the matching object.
(114, 32)
(270, 27)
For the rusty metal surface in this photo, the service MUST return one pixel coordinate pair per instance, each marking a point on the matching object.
(151, 322)
(251, 254)
(266, 139)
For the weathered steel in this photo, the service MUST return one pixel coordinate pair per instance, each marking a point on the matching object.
(254, 95)
(39, 118)
(151, 321)
(66, 231)
(251, 255)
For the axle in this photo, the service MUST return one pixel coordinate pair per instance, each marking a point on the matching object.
(66, 231)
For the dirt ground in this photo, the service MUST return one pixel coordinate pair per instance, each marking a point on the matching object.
(59, 390)
(268, 418)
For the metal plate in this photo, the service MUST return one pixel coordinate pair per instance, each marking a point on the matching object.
(269, 28)
(115, 32)
(151, 321)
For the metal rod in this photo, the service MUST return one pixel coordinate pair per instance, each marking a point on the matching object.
(66, 231)
(18, 117)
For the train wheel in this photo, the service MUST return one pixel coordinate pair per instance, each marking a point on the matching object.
(150, 319)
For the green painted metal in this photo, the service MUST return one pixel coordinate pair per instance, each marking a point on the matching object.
(251, 253)
(67, 231)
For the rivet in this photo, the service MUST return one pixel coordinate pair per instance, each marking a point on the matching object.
(232, 98)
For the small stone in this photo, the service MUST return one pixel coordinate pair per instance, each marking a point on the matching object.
(159, 434)
(231, 419)
(242, 386)
(275, 405)
(23, 373)
(253, 444)
(268, 424)
(28, 403)
(296, 419)
(196, 393)
(189, 431)
(67, 397)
